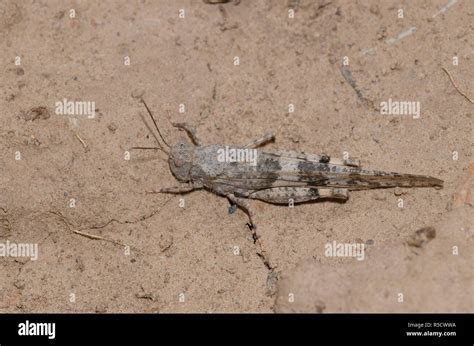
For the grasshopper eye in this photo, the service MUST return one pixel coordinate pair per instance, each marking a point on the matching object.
(178, 162)
(181, 145)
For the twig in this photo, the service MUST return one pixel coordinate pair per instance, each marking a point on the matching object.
(455, 85)
(401, 35)
(347, 74)
(445, 8)
(97, 237)
(84, 234)
(61, 216)
(84, 144)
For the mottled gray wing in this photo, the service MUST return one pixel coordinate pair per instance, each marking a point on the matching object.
(291, 169)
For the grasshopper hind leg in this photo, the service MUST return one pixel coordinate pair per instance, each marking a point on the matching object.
(258, 142)
(341, 194)
(185, 188)
(232, 206)
(284, 195)
(244, 205)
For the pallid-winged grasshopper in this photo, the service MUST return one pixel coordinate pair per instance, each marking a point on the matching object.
(274, 177)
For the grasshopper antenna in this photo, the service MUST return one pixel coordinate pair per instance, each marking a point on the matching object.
(159, 147)
(150, 148)
(154, 122)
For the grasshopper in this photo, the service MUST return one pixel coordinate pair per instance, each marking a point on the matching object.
(280, 177)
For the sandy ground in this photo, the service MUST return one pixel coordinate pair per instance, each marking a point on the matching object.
(146, 253)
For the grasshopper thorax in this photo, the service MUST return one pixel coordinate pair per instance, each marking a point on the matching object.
(181, 160)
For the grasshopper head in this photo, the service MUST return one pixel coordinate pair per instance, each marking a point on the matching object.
(181, 160)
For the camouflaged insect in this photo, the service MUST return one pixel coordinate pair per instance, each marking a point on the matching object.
(279, 177)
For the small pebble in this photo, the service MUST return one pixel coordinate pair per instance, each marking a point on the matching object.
(422, 236)
(112, 127)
